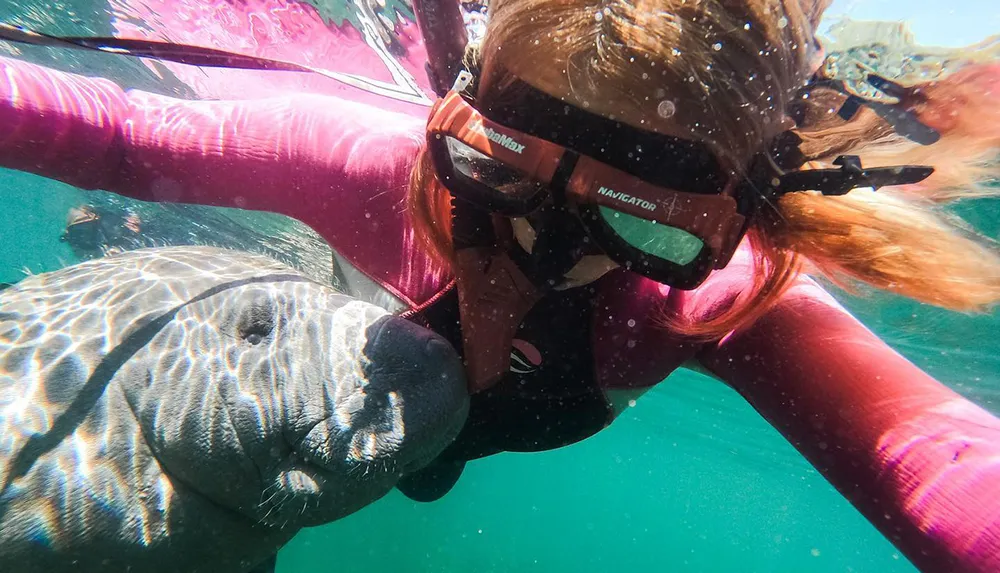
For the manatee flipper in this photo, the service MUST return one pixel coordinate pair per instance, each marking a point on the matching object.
(268, 566)
(431, 483)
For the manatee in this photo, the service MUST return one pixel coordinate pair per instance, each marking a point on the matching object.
(192, 408)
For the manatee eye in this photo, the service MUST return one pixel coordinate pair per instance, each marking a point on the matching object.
(257, 318)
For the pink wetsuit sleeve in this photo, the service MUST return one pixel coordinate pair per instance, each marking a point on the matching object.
(339, 166)
(62, 126)
(919, 461)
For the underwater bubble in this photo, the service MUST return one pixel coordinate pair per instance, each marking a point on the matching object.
(599, 16)
(746, 26)
(666, 109)
(717, 46)
(782, 22)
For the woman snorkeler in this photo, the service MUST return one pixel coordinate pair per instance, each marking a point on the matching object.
(611, 191)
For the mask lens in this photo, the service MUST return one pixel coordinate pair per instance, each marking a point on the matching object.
(654, 239)
(489, 171)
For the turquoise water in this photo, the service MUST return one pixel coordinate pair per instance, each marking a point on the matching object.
(690, 479)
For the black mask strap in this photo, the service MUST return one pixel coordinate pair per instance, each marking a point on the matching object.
(903, 121)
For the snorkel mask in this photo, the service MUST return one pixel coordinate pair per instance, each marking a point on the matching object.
(673, 215)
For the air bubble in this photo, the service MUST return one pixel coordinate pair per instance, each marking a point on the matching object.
(666, 109)
(717, 46)
(782, 22)
(598, 16)
(746, 26)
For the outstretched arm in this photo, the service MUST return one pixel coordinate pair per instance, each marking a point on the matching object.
(339, 166)
(300, 155)
(919, 461)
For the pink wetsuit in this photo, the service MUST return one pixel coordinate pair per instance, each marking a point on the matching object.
(921, 462)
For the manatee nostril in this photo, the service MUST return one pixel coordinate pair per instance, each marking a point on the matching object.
(438, 348)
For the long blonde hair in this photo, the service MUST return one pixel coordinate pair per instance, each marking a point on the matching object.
(741, 63)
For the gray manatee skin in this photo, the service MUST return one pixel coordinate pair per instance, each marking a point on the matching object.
(191, 408)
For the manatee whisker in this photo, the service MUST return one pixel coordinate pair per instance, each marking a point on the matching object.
(277, 490)
(263, 519)
(305, 504)
(272, 507)
(276, 505)
(264, 491)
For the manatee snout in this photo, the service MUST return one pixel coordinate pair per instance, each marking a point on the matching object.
(411, 402)
(417, 370)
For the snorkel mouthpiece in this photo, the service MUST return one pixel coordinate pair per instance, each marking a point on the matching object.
(498, 285)
(494, 296)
